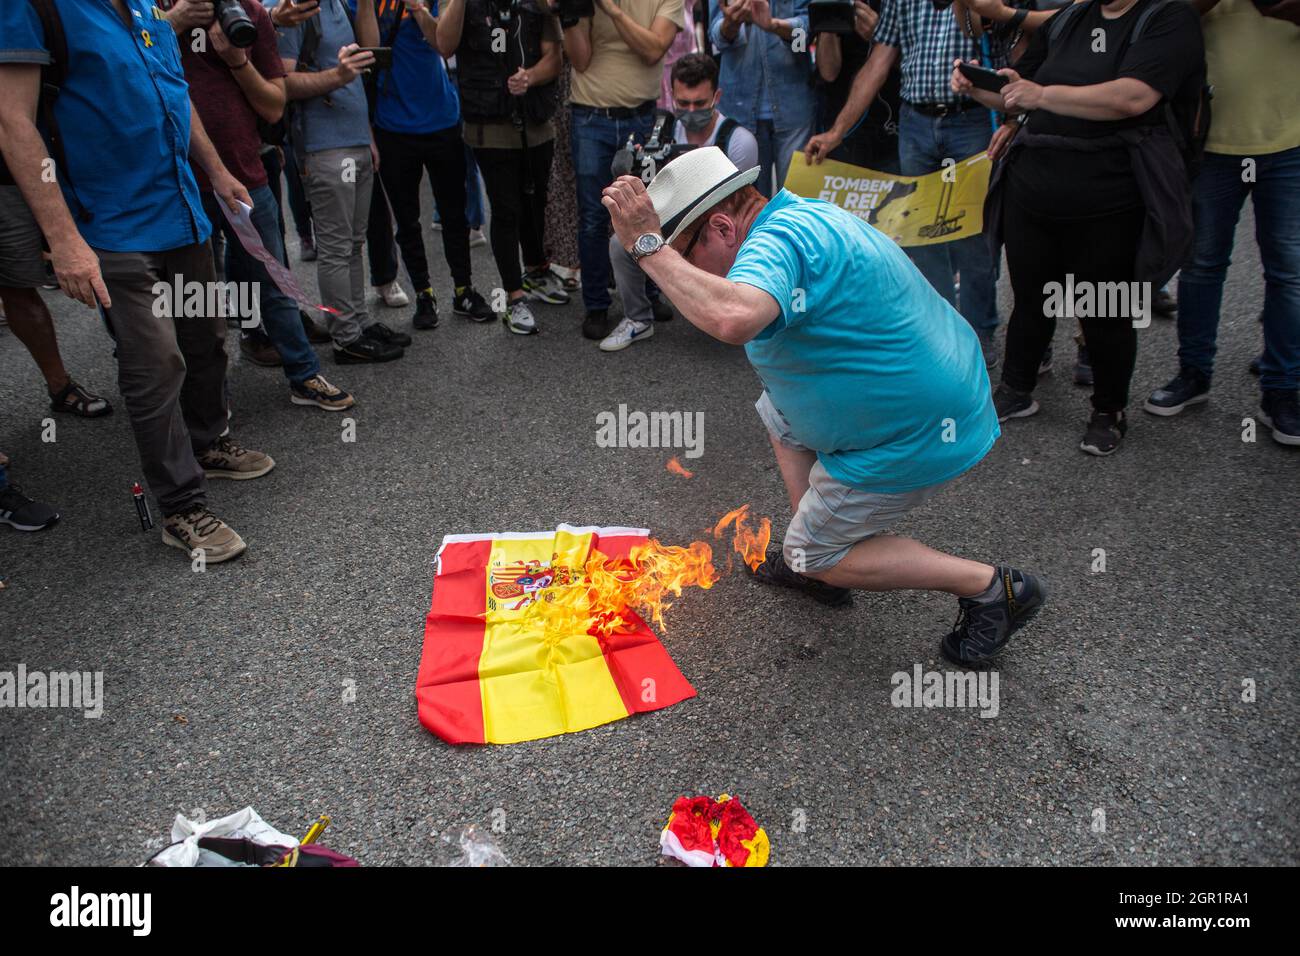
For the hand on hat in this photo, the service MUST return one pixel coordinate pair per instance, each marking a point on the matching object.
(630, 209)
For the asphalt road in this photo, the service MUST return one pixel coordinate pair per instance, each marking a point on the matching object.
(227, 688)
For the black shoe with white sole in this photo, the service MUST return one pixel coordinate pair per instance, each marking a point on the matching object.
(383, 334)
(1009, 403)
(471, 305)
(986, 621)
(1105, 432)
(20, 512)
(365, 350)
(1279, 409)
(1190, 386)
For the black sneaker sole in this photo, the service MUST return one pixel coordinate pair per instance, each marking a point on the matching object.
(425, 325)
(1282, 438)
(344, 357)
(1030, 409)
(472, 317)
(1168, 411)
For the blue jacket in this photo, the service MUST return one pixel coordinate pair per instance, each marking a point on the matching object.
(758, 60)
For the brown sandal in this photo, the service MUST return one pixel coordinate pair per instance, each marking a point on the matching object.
(75, 400)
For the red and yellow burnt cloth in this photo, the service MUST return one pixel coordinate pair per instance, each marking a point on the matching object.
(492, 673)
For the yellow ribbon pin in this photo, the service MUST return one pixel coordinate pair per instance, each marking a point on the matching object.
(148, 40)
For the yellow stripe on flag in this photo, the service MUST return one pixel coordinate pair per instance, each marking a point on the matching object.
(532, 688)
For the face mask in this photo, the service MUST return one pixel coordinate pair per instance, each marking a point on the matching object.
(695, 120)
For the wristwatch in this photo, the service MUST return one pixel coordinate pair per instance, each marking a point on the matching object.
(646, 245)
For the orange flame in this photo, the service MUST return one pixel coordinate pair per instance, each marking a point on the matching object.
(601, 596)
(676, 468)
(750, 545)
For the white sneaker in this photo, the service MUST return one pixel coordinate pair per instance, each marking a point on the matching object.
(476, 238)
(625, 333)
(393, 294)
(519, 318)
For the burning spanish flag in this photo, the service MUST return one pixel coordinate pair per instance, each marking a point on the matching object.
(531, 634)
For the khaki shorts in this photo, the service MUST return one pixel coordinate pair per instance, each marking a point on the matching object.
(20, 243)
(832, 517)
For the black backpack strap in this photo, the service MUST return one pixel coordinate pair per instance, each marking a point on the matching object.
(1056, 25)
(723, 139)
(53, 77)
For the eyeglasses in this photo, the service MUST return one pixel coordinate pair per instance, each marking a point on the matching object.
(694, 239)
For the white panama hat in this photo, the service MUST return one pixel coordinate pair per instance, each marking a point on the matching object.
(691, 184)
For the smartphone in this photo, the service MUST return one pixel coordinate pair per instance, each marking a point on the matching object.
(982, 78)
(383, 56)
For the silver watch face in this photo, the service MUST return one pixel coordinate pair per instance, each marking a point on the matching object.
(647, 243)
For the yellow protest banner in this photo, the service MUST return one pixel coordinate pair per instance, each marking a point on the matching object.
(912, 210)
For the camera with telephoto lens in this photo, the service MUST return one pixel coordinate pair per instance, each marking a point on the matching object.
(643, 160)
(236, 23)
(573, 10)
(830, 16)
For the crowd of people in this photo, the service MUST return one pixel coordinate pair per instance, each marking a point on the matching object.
(174, 127)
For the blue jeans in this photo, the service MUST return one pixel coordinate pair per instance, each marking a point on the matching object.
(280, 318)
(1217, 198)
(924, 142)
(776, 148)
(595, 139)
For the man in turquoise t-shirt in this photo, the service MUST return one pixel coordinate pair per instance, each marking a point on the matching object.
(875, 395)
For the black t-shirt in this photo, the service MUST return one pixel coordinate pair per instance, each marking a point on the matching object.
(1094, 49)
(881, 122)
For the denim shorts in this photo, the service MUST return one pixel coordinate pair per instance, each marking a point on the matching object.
(832, 517)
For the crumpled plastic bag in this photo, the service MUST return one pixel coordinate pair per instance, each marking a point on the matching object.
(246, 824)
(477, 847)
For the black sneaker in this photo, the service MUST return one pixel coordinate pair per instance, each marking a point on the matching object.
(774, 570)
(19, 511)
(663, 312)
(1082, 366)
(471, 305)
(1105, 432)
(1045, 363)
(596, 325)
(426, 311)
(382, 333)
(1279, 409)
(1009, 403)
(365, 350)
(984, 625)
(1163, 305)
(1190, 386)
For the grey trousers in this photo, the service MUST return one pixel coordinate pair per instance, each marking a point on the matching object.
(338, 185)
(631, 283)
(171, 371)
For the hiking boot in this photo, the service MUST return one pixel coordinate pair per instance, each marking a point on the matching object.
(366, 349)
(986, 621)
(519, 318)
(1009, 403)
(316, 333)
(198, 529)
(1082, 366)
(20, 512)
(316, 391)
(1190, 386)
(426, 311)
(383, 334)
(259, 350)
(774, 570)
(1279, 409)
(545, 285)
(625, 333)
(393, 295)
(596, 324)
(225, 459)
(1105, 432)
(471, 305)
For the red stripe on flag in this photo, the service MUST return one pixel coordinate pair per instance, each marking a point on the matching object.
(447, 690)
(646, 677)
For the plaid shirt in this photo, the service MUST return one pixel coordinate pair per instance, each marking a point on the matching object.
(928, 40)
